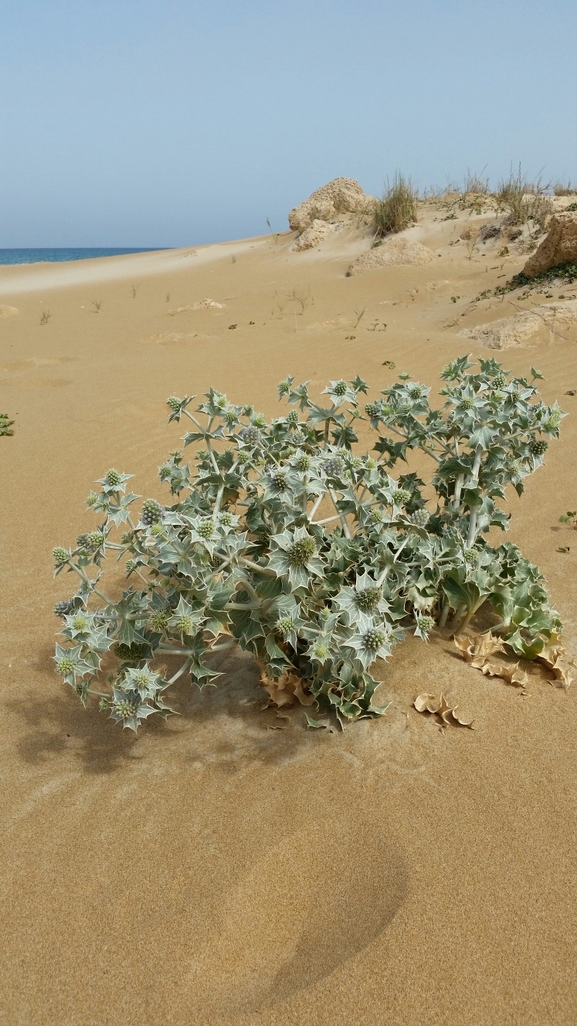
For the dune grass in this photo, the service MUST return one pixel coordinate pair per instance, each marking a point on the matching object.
(397, 209)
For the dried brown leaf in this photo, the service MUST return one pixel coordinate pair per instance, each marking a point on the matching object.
(476, 648)
(510, 672)
(556, 659)
(441, 707)
(285, 690)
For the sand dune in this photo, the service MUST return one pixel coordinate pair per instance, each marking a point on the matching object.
(212, 870)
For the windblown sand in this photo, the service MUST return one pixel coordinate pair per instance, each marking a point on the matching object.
(213, 870)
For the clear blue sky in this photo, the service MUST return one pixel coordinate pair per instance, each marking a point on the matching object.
(174, 122)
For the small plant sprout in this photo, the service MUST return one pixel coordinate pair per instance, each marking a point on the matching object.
(97, 303)
(301, 299)
(5, 425)
(274, 234)
(570, 517)
(284, 539)
(45, 316)
(359, 314)
(134, 290)
(167, 297)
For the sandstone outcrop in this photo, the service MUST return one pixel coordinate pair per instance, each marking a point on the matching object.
(342, 195)
(508, 332)
(559, 247)
(394, 250)
(316, 233)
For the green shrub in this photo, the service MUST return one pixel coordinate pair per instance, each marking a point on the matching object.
(286, 541)
(397, 209)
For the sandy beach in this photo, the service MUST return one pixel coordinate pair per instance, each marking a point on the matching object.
(213, 869)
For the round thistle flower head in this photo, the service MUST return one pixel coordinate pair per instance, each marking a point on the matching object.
(301, 551)
(158, 621)
(401, 497)
(340, 387)
(82, 541)
(131, 565)
(65, 666)
(92, 499)
(95, 539)
(299, 437)
(151, 512)
(206, 529)
(467, 403)
(258, 420)
(79, 622)
(60, 555)
(174, 403)
(293, 418)
(373, 409)
(164, 472)
(420, 517)
(124, 709)
(230, 417)
(499, 381)
(284, 387)
(320, 651)
(368, 599)
(112, 478)
(185, 624)
(64, 608)
(538, 446)
(278, 480)
(376, 516)
(416, 392)
(333, 467)
(226, 518)
(303, 462)
(250, 435)
(426, 623)
(374, 639)
(157, 531)
(286, 625)
(471, 557)
(242, 457)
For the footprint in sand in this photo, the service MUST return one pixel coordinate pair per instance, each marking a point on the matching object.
(7, 311)
(297, 915)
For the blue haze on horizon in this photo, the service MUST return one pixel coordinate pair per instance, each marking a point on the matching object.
(151, 123)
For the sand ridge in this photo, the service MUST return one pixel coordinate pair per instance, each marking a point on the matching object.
(216, 869)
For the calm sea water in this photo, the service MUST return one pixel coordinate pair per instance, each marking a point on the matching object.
(33, 256)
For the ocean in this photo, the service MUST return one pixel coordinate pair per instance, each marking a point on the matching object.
(34, 256)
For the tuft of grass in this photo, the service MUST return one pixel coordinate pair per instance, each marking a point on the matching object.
(45, 316)
(167, 297)
(134, 290)
(476, 183)
(524, 200)
(565, 188)
(97, 303)
(397, 209)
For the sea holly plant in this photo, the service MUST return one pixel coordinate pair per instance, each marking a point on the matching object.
(281, 537)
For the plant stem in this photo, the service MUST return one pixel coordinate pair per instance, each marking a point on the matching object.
(255, 566)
